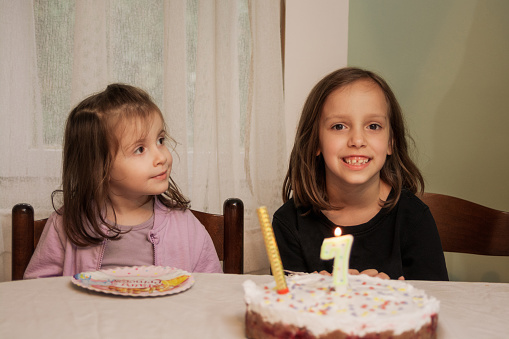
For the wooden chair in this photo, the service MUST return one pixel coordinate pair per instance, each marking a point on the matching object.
(467, 227)
(226, 231)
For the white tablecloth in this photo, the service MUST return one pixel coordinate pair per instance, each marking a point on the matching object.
(213, 308)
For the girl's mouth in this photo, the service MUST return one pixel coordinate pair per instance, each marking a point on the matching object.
(161, 176)
(356, 160)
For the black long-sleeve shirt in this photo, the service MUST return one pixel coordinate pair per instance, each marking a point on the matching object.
(401, 242)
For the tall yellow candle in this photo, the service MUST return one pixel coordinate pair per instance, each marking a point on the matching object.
(338, 248)
(272, 250)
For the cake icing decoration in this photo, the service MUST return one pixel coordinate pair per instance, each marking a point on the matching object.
(367, 305)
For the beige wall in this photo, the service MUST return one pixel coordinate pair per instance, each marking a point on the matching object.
(316, 43)
(448, 63)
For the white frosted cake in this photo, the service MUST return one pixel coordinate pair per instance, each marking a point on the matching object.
(313, 308)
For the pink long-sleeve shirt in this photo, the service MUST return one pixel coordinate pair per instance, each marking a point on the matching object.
(179, 240)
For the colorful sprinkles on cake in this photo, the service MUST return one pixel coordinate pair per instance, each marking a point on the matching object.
(319, 299)
(368, 306)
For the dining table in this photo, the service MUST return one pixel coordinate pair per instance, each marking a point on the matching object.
(213, 307)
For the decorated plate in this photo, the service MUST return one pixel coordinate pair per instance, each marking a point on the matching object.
(136, 281)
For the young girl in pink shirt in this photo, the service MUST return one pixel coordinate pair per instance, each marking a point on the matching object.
(120, 205)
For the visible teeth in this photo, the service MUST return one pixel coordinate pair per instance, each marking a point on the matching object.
(356, 161)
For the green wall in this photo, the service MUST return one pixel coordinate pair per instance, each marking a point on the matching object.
(448, 64)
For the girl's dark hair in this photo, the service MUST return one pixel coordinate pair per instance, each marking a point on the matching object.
(90, 146)
(305, 179)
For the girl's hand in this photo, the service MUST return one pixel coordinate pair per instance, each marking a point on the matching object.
(370, 272)
(373, 273)
(323, 272)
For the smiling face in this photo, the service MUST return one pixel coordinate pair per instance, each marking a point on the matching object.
(142, 164)
(354, 136)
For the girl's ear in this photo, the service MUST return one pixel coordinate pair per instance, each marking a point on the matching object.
(391, 147)
(318, 152)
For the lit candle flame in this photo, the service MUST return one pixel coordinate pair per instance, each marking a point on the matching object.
(337, 232)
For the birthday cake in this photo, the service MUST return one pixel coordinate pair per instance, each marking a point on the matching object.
(313, 308)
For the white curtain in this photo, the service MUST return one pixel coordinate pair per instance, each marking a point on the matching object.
(213, 67)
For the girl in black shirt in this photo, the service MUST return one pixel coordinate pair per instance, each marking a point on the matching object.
(350, 168)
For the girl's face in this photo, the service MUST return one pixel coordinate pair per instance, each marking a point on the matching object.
(354, 136)
(142, 164)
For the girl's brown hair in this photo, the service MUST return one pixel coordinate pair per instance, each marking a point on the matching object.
(90, 146)
(305, 179)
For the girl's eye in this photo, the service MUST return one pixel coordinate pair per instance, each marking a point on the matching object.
(139, 150)
(338, 127)
(161, 140)
(374, 126)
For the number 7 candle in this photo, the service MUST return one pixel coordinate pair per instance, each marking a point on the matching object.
(272, 250)
(338, 248)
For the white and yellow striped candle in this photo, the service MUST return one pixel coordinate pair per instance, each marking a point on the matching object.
(272, 250)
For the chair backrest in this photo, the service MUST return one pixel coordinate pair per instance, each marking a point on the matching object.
(226, 231)
(467, 227)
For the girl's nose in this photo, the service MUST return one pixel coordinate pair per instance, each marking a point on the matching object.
(357, 139)
(159, 157)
